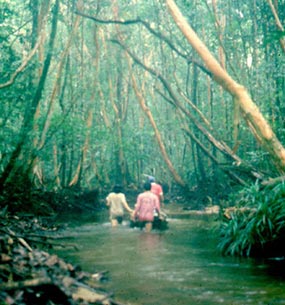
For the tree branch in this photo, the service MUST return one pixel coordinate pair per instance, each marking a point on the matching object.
(152, 31)
(22, 66)
(278, 24)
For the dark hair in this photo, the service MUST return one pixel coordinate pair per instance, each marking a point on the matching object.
(147, 186)
(117, 189)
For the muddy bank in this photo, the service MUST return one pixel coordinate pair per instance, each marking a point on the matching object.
(30, 275)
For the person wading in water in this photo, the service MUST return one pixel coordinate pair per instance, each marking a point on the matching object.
(116, 201)
(147, 204)
(156, 188)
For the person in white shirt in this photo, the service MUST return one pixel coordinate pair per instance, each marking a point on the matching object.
(116, 201)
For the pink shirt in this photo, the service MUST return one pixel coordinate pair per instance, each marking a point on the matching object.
(147, 202)
(156, 189)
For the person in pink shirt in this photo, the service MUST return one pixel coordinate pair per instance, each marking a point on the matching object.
(156, 189)
(147, 204)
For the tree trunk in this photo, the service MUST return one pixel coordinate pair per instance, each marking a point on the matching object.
(278, 24)
(56, 166)
(120, 164)
(77, 176)
(56, 84)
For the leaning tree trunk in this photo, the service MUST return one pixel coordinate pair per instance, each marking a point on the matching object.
(251, 113)
(76, 180)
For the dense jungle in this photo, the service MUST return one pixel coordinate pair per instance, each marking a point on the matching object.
(97, 93)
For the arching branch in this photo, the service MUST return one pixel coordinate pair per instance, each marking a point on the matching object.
(152, 31)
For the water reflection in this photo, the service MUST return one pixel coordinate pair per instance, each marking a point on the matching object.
(149, 242)
(180, 266)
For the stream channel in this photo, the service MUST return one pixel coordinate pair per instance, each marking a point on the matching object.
(179, 266)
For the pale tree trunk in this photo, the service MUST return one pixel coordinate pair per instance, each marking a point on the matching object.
(107, 122)
(76, 178)
(96, 172)
(38, 145)
(39, 23)
(119, 110)
(253, 117)
(220, 25)
(119, 153)
(56, 167)
(196, 151)
(56, 85)
(278, 24)
(104, 113)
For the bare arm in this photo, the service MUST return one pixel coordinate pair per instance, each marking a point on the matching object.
(126, 206)
(108, 201)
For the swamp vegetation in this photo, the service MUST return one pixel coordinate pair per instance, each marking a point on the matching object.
(95, 93)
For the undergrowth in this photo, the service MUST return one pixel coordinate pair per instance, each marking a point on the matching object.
(256, 226)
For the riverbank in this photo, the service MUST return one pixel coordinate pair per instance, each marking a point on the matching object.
(30, 275)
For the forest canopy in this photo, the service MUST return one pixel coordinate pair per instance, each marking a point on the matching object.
(99, 92)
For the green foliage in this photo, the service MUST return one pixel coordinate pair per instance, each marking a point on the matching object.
(274, 36)
(96, 75)
(257, 224)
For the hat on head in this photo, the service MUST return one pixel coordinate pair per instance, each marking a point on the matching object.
(151, 179)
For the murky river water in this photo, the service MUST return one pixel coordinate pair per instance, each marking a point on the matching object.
(180, 266)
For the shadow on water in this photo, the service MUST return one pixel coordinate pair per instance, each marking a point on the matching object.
(180, 266)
